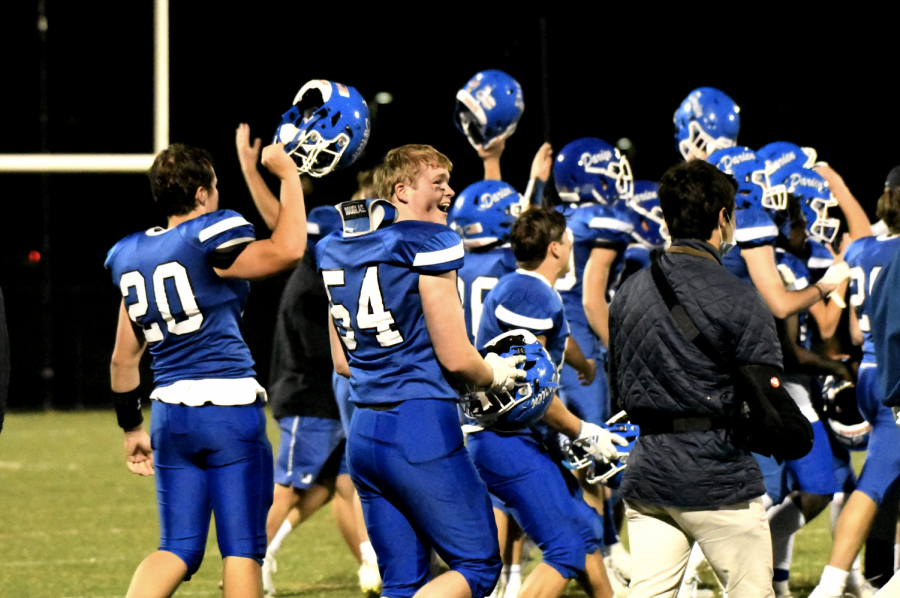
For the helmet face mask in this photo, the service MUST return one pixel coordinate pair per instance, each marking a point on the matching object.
(774, 197)
(815, 198)
(326, 129)
(699, 144)
(844, 420)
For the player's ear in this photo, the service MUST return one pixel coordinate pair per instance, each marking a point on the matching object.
(401, 192)
(202, 195)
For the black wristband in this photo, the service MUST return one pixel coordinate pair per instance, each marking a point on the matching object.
(128, 408)
(821, 292)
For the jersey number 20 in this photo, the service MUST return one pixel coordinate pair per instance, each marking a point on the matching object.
(370, 314)
(138, 309)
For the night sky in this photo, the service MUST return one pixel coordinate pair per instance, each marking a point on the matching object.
(827, 85)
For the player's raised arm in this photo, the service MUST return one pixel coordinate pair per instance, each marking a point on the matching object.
(285, 248)
(857, 221)
(248, 155)
(125, 380)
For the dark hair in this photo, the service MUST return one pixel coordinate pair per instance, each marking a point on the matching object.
(177, 172)
(691, 195)
(888, 209)
(532, 234)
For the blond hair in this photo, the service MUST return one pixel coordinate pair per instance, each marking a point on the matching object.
(402, 165)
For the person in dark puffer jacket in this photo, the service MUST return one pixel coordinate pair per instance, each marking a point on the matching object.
(692, 485)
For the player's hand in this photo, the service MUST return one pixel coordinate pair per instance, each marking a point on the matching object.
(833, 276)
(505, 371)
(493, 150)
(588, 373)
(276, 160)
(838, 256)
(598, 442)
(827, 172)
(248, 155)
(543, 161)
(138, 452)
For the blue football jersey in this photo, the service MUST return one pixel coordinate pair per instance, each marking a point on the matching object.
(525, 300)
(866, 257)
(479, 275)
(373, 289)
(796, 278)
(190, 316)
(593, 225)
(753, 227)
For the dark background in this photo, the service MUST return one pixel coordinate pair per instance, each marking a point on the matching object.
(822, 83)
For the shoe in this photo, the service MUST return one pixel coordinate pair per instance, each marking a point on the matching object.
(369, 578)
(269, 567)
(499, 589)
(862, 590)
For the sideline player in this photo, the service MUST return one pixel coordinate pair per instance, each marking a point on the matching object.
(391, 279)
(545, 501)
(867, 257)
(184, 289)
(310, 467)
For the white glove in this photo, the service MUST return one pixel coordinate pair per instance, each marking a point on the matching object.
(836, 274)
(598, 442)
(505, 371)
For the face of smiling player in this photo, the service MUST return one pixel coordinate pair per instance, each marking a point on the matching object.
(430, 199)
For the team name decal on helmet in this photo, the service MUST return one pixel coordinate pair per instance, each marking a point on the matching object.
(484, 213)
(590, 169)
(488, 108)
(324, 131)
(815, 198)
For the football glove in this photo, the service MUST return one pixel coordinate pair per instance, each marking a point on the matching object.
(505, 371)
(598, 442)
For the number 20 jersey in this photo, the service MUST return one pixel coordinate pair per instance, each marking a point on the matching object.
(373, 288)
(866, 257)
(190, 316)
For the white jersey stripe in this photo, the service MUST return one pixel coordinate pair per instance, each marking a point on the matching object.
(234, 242)
(611, 224)
(221, 226)
(514, 319)
(430, 258)
(755, 232)
(820, 263)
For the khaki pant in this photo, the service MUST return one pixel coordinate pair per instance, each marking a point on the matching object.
(734, 538)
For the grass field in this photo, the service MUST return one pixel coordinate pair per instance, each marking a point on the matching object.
(75, 523)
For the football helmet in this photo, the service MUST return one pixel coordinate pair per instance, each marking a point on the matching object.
(646, 215)
(610, 474)
(326, 129)
(815, 197)
(784, 154)
(529, 399)
(590, 169)
(844, 421)
(488, 108)
(707, 120)
(484, 213)
(321, 222)
(573, 457)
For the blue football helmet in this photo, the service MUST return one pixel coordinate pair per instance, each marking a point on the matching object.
(843, 418)
(784, 154)
(573, 457)
(646, 215)
(484, 212)
(754, 186)
(815, 198)
(590, 169)
(326, 129)
(488, 108)
(530, 399)
(610, 474)
(321, 222)
(707, 120)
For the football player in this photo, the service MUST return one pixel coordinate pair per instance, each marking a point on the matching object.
(397, 329)
(867, 257)
(519, 471)
(184, 289)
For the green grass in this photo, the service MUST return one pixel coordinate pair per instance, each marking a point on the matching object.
(75, 523)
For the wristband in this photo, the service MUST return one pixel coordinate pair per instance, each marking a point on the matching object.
(128, 408)
(821, 292)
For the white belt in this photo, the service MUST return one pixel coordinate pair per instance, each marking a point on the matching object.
(218, 391)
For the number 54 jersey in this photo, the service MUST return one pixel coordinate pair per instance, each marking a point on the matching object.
(372, 279)
(190, 316)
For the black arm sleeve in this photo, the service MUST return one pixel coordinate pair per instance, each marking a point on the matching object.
(789, 434)
(4, 361)
(224, 258)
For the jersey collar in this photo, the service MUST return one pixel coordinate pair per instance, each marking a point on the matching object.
(535, 275)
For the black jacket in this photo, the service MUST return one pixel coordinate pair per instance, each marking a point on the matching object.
(654, 372)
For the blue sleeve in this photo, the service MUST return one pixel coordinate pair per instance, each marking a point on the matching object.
(793, 271)
(886, 329)
(609, 226)
(521, 308)
(428, 248)
(222, 230)
(754, 228)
